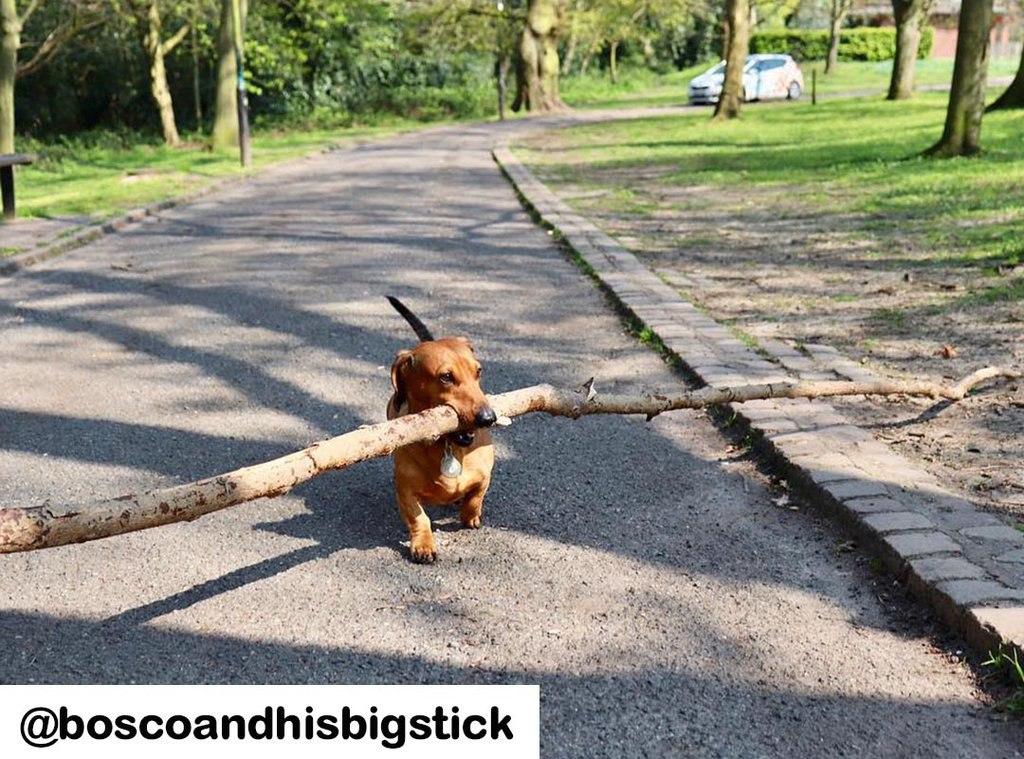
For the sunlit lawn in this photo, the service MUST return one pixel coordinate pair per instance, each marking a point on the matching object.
(847, 155)
(640, 87)
(101, 180)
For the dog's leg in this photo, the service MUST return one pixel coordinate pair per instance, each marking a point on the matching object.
(422, 547)
(473, 506)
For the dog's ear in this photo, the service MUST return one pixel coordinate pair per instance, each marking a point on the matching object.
(403, 360)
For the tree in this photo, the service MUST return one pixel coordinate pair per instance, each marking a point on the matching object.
(1013, 97)
(837, 17)
(737, 47)
(572, 44)
(617, 20)
(73, 17)
(537, 58)
(447, 27)
(225, 112)
(10, 41)
(962, 133)
(909, 16)
(149, 15)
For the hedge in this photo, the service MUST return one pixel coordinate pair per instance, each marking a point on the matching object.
(865, 43)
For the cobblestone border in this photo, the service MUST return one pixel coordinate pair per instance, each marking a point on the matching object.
(60, 245)
(966, 564)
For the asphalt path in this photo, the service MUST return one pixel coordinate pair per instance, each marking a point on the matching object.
(642, 574)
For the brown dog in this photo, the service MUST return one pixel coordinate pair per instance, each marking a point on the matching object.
(456, 468)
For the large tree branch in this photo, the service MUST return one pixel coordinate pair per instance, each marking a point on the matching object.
(51, 524)
(173, 41)
(32, 6)
(54, 41)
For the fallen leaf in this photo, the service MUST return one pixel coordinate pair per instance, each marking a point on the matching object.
(947, 351)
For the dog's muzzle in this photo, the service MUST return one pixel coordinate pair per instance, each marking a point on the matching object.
(485, 417)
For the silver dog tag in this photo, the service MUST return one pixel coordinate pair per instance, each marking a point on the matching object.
(450, 466)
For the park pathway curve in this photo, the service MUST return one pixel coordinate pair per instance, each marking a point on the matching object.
(642, 574)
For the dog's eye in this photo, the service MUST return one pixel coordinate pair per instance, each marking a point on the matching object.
(447, 378)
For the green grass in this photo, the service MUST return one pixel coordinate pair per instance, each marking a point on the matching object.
(642, 87)
(855, 76)
(636, 88)
(847, 156)
(1011, 667)
(100, 176)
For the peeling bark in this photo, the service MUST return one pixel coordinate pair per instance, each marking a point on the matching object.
(53, 524)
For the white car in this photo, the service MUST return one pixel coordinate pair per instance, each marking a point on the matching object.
(765, 76)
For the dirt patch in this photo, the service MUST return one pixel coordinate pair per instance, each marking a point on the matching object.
(783, 271)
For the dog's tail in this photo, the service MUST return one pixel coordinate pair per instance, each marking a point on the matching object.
(417, 326)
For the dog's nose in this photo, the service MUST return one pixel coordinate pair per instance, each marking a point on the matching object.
(485, 417)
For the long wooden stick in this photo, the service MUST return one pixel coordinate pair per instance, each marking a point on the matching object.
(55, 524)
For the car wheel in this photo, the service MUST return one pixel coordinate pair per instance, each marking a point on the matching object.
(743, 95)
(794, 91)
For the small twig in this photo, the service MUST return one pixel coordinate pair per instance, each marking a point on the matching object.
(50, 524)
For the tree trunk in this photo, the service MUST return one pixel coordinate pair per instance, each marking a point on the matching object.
(737, 18)
(585, 62)
(909, 15)
(613, 62)
(835, 32)
(537, 59)
(501, 65)
(10, 41)
(574, 39)
(225, 115)
(962, 134)
(54, 523)
(156, 51)
(197, 96)
(1014, 95)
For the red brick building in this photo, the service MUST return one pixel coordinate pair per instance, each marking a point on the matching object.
(1006, 27)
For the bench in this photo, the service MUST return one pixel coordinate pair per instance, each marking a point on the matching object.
(7, 163)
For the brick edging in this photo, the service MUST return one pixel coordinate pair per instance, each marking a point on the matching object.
(964, 563)
(13, 264)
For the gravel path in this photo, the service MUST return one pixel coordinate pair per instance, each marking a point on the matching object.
(641, 573)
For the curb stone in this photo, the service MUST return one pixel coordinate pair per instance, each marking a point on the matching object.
(967, 565)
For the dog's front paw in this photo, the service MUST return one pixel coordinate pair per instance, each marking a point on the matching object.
(423, 551)
(471, 521)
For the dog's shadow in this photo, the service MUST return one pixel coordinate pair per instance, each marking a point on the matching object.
(354, 508)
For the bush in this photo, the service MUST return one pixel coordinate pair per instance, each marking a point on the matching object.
(866, 43)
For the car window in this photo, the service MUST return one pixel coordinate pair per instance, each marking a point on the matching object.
(769, 65)
(718, 69)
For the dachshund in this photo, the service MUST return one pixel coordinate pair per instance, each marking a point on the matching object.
(457, 467)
